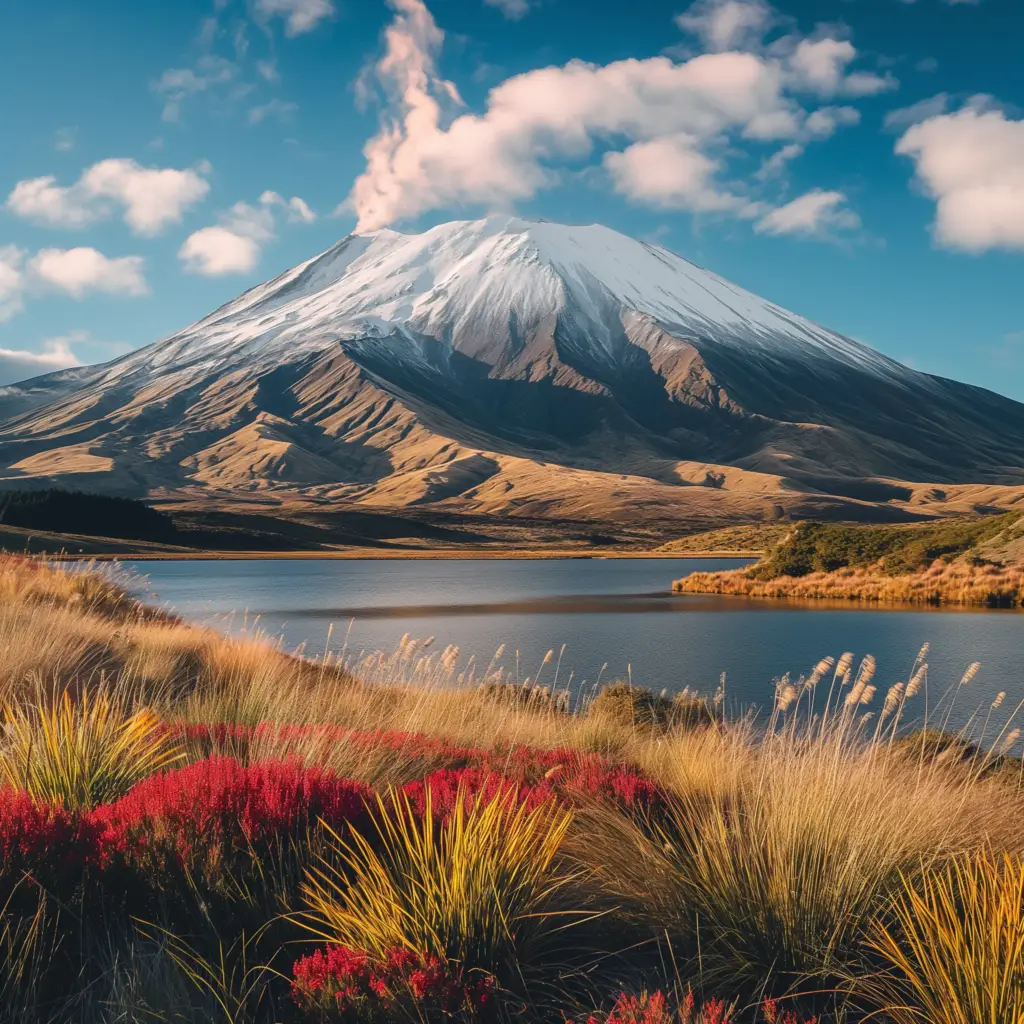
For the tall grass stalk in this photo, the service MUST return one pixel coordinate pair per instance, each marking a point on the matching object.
(484, 888)
(951, 945)
(81, 751)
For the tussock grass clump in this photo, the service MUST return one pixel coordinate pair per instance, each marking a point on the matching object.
(951, 945)
(483, 888)
(820, 856)
(83, 751)
(527, 696)
(779, 849)
(630, 706)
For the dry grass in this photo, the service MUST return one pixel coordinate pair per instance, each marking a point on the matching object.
(955, 583)
(780, 864)
(482, 888)
(952, 945)
(83, 752)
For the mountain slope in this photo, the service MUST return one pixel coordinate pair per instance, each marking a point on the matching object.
(503, 365)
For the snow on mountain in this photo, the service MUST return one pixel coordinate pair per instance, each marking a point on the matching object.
(497, 277)
(511, 366)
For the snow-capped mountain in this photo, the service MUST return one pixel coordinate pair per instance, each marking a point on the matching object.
(488, 363)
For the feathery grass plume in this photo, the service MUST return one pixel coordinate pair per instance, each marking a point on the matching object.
(952, 946)
(81, 752)
(919, 675)
(483, 888)
(972, 671)
(774, 857)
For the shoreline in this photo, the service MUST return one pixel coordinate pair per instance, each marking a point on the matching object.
(376, 554)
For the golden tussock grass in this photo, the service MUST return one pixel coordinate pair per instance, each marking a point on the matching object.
(943, 583)
(818, 854)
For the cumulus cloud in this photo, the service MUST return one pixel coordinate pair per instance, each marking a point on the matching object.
(430, 153)
(825, 121)
(534, 119)
(79, 271)
(971, 163)
(54, 354)
(820, 66)
(233, 245)
(151, 198)
(298, 209)
(816, 214)
(728, 24)
(512, 9)
(12, 281)
(300, 16)
(672, 172)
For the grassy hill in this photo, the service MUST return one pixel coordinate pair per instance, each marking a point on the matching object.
(959, 561)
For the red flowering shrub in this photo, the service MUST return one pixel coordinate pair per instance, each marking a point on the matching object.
(536, 773)
(446, 785)
(45, 844)
(208, 813)
(655, 1008)
(343, 984)
(773, 1015)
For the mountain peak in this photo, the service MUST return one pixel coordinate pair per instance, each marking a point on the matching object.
(480, 360)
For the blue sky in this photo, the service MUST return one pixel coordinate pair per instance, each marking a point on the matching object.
(858, 161)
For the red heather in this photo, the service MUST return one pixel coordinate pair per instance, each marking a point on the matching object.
(655, 1008)
(44, 841)
(220, 802)
(772, 1015)
(348, 984)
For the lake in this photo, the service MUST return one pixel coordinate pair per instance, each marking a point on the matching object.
(617, 613)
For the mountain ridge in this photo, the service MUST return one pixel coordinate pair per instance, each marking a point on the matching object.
(483, 364)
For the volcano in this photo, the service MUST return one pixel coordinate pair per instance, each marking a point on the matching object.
(513, 367)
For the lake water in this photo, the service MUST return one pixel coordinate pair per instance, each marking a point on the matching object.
(617, 613)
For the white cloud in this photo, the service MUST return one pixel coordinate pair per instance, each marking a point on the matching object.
(533, 119)
(298, 210)
(300, 15)
(233, 246)
(672, 172)
(176, 85)
(79, 271)
(151, 197)
(12, 281)
(728, 24)
(280, 109)
(431, 154)
(216, 250)
(971, 163)
(904, 117)
(823, 122)
(816, 214)
(776, 164)
(820, 66)
(55, 354)
(512, 9)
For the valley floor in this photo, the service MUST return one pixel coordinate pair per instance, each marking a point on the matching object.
(196, 827)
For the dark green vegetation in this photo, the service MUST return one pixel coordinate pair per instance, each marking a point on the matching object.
(895, 550)
(58, 511)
